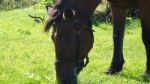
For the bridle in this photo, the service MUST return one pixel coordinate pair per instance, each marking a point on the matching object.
(79, 63)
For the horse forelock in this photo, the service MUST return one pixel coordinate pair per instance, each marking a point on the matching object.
(48, 24)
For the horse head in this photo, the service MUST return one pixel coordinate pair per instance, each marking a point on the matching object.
(72, 37)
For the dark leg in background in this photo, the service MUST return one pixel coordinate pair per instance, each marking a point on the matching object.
(146, 41)
(118, 16)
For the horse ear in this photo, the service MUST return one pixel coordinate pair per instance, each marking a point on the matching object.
(49, 9)
(68, 14)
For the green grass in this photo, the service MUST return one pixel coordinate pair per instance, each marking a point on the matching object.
(27, 54)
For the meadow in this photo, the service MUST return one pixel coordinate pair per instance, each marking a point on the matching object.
(27, 54)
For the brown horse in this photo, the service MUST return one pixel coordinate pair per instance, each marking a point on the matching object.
(118, 8)
(72, 36)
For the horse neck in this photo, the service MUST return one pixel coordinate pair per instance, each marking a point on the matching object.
(87, 6)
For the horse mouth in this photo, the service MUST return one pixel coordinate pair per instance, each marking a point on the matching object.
(68, 80)
(65, 72)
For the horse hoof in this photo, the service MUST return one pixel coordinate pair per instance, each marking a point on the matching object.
(111, 70)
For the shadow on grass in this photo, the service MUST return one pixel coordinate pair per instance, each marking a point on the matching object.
(141, 78)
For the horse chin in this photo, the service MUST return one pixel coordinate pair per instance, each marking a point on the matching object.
(69, 78)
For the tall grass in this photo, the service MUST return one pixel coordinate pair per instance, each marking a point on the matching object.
(27, 54)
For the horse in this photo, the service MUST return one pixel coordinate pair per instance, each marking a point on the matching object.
(118, 9)
(72, 36)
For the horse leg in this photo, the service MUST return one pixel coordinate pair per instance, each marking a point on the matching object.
(118, 17)
(145, 19)
(146, 41)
